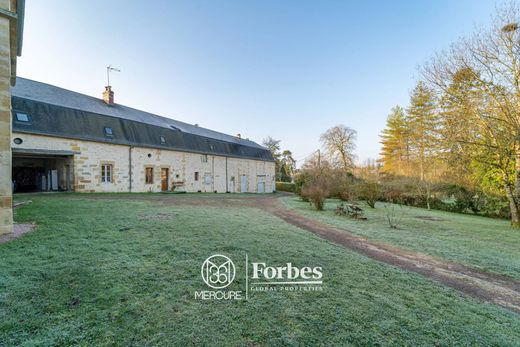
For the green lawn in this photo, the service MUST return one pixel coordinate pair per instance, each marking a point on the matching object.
(107, 272)
(484, 243)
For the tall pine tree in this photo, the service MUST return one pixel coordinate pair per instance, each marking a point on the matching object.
(458, 131)
(395, 154)
(423, 121)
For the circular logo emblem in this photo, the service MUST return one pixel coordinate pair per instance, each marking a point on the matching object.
(218, 271)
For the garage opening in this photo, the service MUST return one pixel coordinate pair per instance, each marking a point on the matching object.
(42, 171)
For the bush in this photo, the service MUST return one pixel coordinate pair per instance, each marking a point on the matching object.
(410, 191)
(396, 190)
(444, 197)
(285, 187)
(316, 193)
(346, 188)
(465, 200)
(438, 204)
(494, 206)
(394, 215)
(369, 192)
(301, 179)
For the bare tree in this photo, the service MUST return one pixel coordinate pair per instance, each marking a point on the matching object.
(339, 144)
(490, 60)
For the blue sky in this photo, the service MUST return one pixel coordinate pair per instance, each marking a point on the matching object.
(286, 69)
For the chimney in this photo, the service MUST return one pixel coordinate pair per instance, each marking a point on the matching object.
(239, 136)
(108, 95)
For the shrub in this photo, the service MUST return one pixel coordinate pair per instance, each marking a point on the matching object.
(285, 187)
(300, 180)
(495, 206)
(316, 193)
(369, 192)
(394, 215)
(409, 191)
(346, 188)
(464, 199)
(394, 190)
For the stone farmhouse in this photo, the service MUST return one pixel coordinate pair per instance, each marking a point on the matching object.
(66, 141)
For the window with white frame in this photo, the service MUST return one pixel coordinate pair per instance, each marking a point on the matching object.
(106, 173)
(204, 158)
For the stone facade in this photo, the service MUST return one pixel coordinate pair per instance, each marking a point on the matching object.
(6, 213)
(190, 172)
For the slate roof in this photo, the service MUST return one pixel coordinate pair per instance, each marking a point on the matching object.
(60, 112)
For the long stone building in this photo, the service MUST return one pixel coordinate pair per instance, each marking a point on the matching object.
(67, 141)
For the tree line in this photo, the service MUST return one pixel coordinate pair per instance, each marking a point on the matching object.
(462, 126)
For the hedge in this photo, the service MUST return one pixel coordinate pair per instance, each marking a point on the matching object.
(285, 187)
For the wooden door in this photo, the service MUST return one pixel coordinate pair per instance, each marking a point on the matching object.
(164, 179)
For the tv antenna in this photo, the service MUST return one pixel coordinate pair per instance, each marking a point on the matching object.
(110, 68)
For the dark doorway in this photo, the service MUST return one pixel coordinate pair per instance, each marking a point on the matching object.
(164, 179)
(28, 179)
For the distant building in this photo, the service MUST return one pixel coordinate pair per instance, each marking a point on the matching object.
(67, 141)
(11, 33)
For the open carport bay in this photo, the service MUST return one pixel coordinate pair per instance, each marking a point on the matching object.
(39, 171)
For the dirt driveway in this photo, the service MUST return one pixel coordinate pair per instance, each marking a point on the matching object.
(501, 290)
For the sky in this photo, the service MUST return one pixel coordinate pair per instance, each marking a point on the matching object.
(288, 69)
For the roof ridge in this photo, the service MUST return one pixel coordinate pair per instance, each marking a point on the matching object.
(100, 103)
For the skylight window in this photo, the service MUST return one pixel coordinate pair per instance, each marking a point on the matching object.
(163, 140)
(109, 131)
(22, 117)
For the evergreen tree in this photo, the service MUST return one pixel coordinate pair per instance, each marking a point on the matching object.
(423, 122)
(458, 133)
(273, 146)
(288, 166)
(395, 154)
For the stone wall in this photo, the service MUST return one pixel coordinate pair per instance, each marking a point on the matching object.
(6, 212)
(215, 173)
